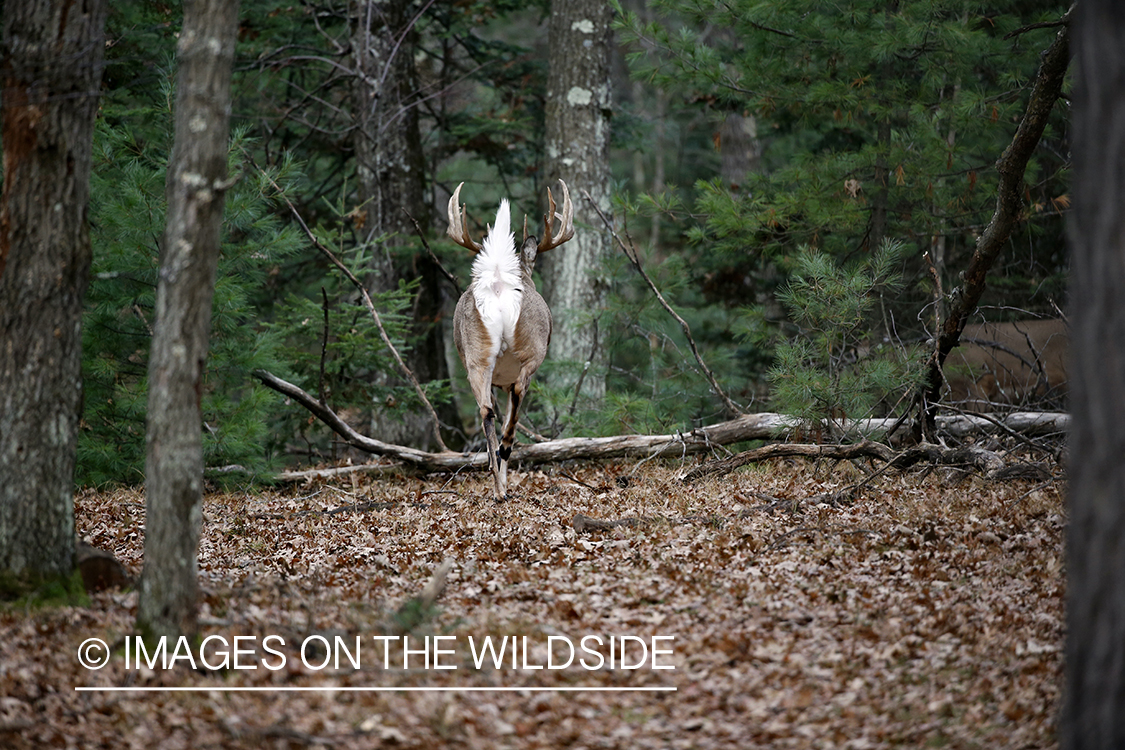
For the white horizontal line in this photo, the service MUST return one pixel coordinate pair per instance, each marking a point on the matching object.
(296, 689)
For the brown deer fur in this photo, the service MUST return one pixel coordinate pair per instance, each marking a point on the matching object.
(1009, 363)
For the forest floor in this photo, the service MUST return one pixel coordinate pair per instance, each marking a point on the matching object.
(926, 612)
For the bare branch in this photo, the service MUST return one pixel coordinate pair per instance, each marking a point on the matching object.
(323, 345)
(1064, 21)
(436, 423)
(436, 261)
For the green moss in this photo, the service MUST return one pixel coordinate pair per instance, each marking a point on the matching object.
(28, 590)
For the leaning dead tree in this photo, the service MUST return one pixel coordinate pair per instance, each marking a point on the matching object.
(1009, 207)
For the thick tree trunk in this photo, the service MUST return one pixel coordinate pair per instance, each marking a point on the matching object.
(1094, 709)
(195, 189)
(390, 167)
(577, 145)
(51, 74)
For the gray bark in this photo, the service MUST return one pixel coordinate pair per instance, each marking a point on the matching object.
(50, 67)
(700, 440)
(1093, 714)
(577, 145)
(195, 189)
(740, 150)
(388, 146)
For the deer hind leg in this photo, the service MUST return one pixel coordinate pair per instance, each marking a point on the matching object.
(506, 440)
(496, 466)
(481, 384)
(497, 462)
(516, 394)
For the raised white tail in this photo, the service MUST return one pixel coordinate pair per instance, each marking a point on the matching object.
(497, 284)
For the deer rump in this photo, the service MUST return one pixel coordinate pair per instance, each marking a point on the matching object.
(1017, 363)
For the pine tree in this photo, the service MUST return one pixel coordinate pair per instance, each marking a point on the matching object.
(877, 119)
(831, 372)
(874, 121)
(127, 213)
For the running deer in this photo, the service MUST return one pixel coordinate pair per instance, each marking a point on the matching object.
(502, 325)
(1009, 363)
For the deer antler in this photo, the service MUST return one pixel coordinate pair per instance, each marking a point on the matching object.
(457, 218)
(565, 217)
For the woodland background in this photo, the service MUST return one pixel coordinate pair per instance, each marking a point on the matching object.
(749, 147)
(804, 184)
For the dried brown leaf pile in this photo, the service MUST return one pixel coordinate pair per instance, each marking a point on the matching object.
(926, 613)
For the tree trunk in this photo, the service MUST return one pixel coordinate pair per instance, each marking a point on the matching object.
(740, 151)
(51, 69)
(388, 145)
(390, 167)
(1093, 713)
(195, 190)
(577, 145)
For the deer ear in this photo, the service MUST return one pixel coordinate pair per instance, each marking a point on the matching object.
(528, 250)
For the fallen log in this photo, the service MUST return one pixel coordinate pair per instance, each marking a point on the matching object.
(764, 426)
(987, 462)
(865, 449)
(699, 440)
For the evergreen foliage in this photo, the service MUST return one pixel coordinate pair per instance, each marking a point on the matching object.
(873, 121)
(831, 371)
(869, 112)
(127, 218)
(331, 347)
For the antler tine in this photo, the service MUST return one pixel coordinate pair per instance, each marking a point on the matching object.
(457, 230)
(565, 217)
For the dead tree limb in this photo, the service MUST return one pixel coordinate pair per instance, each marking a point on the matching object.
(411, 456)
(700, 440)
(988, 462)
(865, 449)
(1009, 208)
(766, 426)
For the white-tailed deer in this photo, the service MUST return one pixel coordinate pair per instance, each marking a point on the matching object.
(1008, 363)
(502, 325)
